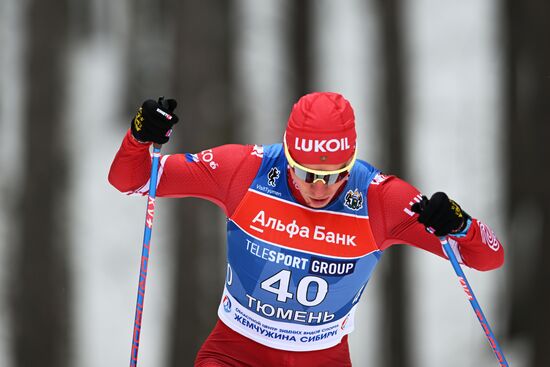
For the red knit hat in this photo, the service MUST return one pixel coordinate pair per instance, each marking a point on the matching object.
(321, 129)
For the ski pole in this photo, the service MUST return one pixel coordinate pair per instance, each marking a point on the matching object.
(473, 301)
(149, 214)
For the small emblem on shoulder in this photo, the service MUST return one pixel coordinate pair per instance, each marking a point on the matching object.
(272, 176)
(354, 199)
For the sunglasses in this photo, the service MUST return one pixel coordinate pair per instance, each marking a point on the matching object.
(312, 176)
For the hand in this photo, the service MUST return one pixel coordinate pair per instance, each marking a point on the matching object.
(154, 120)
(441, 215)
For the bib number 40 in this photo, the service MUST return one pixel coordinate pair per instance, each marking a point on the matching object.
(279, 284)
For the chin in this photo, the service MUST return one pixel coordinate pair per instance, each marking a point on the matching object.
(317, 203)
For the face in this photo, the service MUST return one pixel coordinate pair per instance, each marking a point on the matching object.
(318, 194)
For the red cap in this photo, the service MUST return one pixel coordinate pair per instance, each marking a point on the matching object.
(321, 129)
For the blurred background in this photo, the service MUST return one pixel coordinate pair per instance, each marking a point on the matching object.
(450, 95)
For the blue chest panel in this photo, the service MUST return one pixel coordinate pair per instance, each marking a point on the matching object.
(295, 273)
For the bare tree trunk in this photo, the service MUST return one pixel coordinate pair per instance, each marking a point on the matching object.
(203, 88)
(40, 284)
(528, 114)
(150, 50)
(300, 41)
(395, 321)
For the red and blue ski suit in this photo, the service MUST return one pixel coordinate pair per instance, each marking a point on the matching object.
(294, 274)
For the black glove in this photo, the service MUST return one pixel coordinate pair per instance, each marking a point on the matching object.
(154, 120)
(441, 215)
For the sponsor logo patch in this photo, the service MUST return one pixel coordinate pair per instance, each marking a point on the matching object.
(277, 221)
(258, 151)
(226, 303)
(208, 157)
(379, 178)
(321, 146)
(138, 120)
(166, 115)
(488, 237)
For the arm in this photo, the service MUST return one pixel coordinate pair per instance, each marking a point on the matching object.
(393, 222)
(221, 175)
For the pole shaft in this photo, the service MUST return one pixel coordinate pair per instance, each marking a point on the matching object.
(473, 301)
(149, 215)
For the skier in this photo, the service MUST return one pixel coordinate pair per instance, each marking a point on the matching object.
(307, 223)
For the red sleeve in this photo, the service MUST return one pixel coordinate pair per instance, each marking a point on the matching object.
(392, 221)
(221, 175)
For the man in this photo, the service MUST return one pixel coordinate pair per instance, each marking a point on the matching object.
(307, 223)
